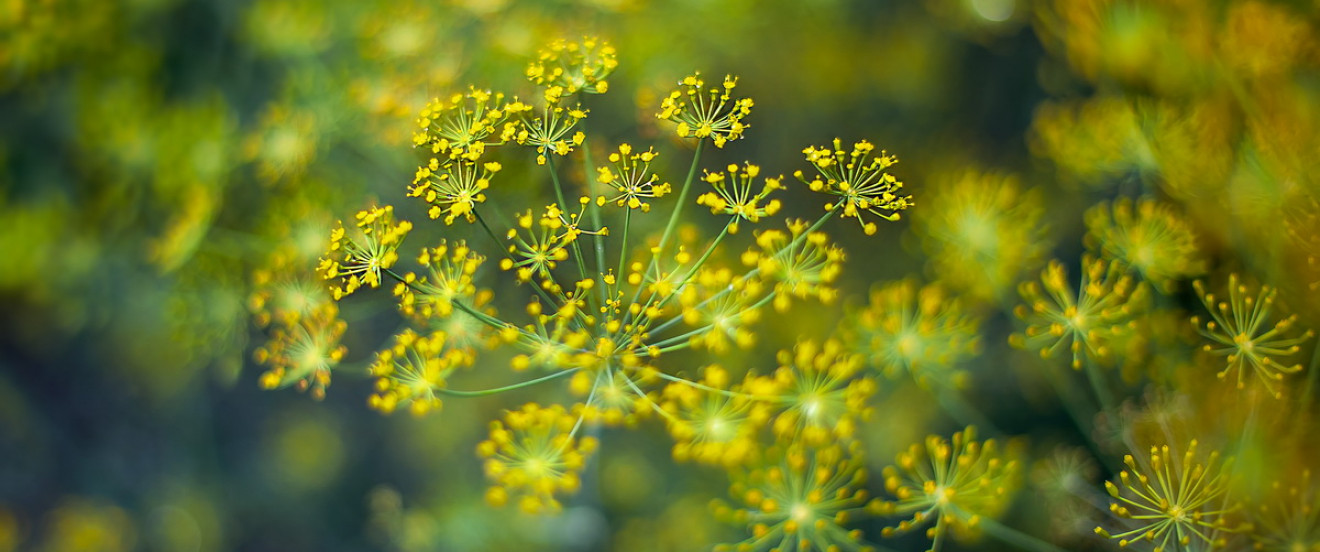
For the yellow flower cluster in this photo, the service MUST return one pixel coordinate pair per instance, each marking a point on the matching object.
(733, 195)
(453, 189)
(702, 112)
(862, 182)
(357, 258)
(1172, 504)
(1241, 330)
(954, 483)
(411, 373)
(459, 127)
(533, 453)
(1148, 237)
(304, 353)
(799, 499)
(631, 178)
(1084, 322)
(450, 269)
(801, 263)
(922, 331)
(575, 66)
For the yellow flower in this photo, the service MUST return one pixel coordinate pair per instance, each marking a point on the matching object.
(862, 182)
(461, 125)
(1240, 330)
(733, 195)
(716, 421)
(574, 66)
(1085, 322)
(984, 220)
(821, 391)
(358, 258)
(450, 269)
(453, 189)
(534, 453)
(1152, 239)
(1172, 504)
(410, 373)
(706, 113)
(801, 263)
(303, 354)
(632, 178)
(922, 331)
(954, 484)
(799, 500)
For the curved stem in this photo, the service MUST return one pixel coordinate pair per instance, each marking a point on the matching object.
(563, 206)
(1016, 538)
(520, 385)
(679, 205)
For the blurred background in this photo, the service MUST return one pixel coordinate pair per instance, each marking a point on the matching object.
(157, 157)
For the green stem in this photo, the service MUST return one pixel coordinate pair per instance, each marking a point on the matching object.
(704, 387)
(563, 206)
(678, 206)
(1016, 538)
(623, 247)
(594, 209)
(1312, 375)
(492, 235)
(962, 412)
(484, 392)
(1100, 386)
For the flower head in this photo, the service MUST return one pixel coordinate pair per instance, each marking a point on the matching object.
(706, 112)
(921, 331)
(1240, 330)
(533, 453)
(303, 354)
(461, 125)
(1171, 504)
(799, 500)
(821, 391)
(954, 483)
(574, 66)
(410, 373)
(985, 220)
(549, 131)
(631, 177)
(1086, 321)
(733, 194)
(450, 268)
(453, 189)
(357, 258)
(716, 420)
(861, 182)
(1150, 239)
(801, 263)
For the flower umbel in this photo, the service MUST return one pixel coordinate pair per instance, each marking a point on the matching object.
(304, 353)
(358, 258)
(574, 66)
(799, 500)
(1149, 237)
(1240, 329)
(956, 483)
(534, 453)
(453, 189)
(1085, 322)
(1172, 504)
(631, 178)
(733, 194)
(862, 182)
(706, 113)
(922, 331)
